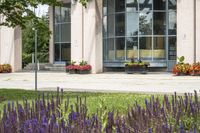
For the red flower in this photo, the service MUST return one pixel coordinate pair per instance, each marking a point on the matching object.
(85, 67)
(71, 67)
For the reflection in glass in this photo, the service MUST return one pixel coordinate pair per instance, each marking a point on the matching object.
(159, 4)
(120, 24)
(110, 49)
(132, 24)
(119, 5)
(66, 32)
(104, 7)
(57, 34)
(111, 20)
(145, 23)
(172, 23)
(66, 52)
(172, 48)
(111, 6)
(159, 23)
(131, 5)
(172, 4)
(145, 48)
(132, 47)
(57, 52)
(120, 48)
(57, 14)
(159, 52)
(105, 26)
(145, 5)
(66, 13)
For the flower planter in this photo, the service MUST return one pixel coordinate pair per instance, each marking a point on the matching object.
(72, 71)
(143, 69)
(83, 72)
(181, 74)
(195, 73)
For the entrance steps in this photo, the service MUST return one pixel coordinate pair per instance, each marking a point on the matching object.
(46, 67)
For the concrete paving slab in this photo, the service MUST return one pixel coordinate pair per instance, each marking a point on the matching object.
(153, 82)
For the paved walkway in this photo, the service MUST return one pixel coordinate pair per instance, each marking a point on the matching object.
(106, 82)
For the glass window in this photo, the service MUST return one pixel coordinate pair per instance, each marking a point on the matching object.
(111, 29)
(105, 26)
(132, 47)
(66, 32)
(145, 48)
(57, 14)
(119, 5)
(111, 6)
(172, 23)
(159, 51)
(120, 48)
(57, 34)
(131, 5)
(66, 13)
(159, 4)
(132, 24)
(104, 7)
(57, 52)
(66, 52)
(110, 49)
(172, 48)
(145, 5)
(120, 24)
(159, 23)
(172, 4)
(145, 23)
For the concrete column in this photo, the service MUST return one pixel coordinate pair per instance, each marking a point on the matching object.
(185, 29)
(77, 32)
(93, 35)
(17, 49)
(51, 41)
(198, 31)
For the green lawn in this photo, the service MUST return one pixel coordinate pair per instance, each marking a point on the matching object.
(116, 101)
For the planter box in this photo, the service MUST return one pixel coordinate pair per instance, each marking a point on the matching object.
(72, 72)
(83, 71)
(195, 73)
(143, 69)
(181, 74)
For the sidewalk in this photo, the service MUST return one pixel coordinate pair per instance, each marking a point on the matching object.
(105, 82)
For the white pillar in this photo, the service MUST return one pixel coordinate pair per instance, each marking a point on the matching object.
(185, 29)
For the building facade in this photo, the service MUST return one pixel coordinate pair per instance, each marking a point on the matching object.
(109, 32)
(11, 47)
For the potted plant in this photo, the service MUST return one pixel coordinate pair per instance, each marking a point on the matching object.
(71, 68)
(181, 68)
(134, 67)
(84, 67)
(195, 69)
(5, 68)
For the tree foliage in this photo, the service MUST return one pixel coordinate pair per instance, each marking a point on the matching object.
(18, 12)
(28, 36)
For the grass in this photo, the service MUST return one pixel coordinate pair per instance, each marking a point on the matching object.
(116, 101)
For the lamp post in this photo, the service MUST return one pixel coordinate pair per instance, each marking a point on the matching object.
(195, 34)
(36, 60)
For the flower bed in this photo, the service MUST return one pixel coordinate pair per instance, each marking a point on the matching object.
(53, 115)
(5, 68)
(136, 67)
(195, 69)
(82, 68)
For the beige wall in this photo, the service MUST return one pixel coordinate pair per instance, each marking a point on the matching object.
(86, 34)
(185, 30)
(10, 47)
(51, 44)
(198, 31)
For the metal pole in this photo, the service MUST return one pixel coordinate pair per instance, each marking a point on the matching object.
(36, 60)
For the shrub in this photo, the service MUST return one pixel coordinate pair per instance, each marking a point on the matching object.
(5, 68)
(53, 115)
